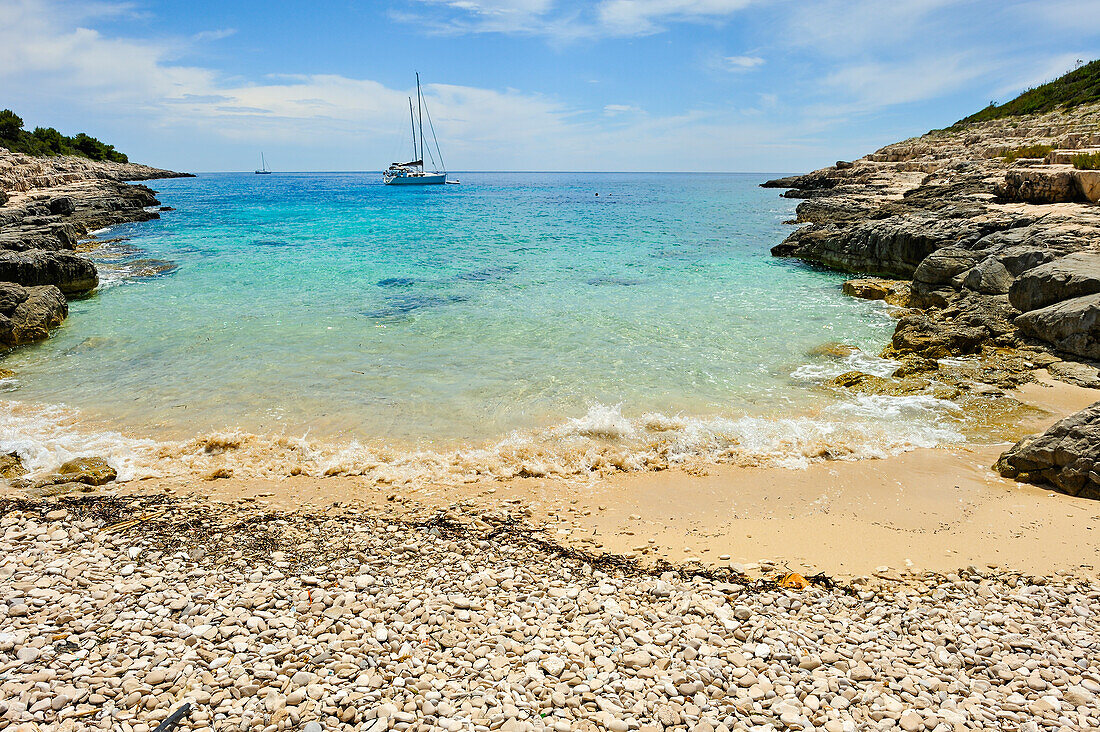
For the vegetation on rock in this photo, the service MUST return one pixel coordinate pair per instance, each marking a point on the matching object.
(1087, 161)
(48, 141)
(1080, 86)
(1027, 151)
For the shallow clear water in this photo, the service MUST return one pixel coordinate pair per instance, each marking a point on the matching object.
(331, 305)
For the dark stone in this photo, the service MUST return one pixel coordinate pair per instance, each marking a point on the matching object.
(11, 295)
(1066, 456)
(72, 274)
(62, 205)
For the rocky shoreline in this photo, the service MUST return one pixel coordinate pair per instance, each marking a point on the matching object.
(47, 205)
(999, 262)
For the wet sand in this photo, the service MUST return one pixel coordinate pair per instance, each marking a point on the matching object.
(935, 509)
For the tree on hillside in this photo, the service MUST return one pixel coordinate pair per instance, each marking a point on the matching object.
(48, 141)
(51, 139)
(10, 124)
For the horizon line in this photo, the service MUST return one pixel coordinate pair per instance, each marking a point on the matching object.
(602, 172)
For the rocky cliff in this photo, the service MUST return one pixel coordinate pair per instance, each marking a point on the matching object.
(46, 205)
(1003, 257)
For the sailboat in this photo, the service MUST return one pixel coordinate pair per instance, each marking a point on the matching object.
(263, 166)
(412, 173)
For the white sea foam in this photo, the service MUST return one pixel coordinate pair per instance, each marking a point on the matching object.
(857, 361)
(47, 436)
(602, 441)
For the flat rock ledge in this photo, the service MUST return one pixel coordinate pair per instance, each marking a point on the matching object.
(1066, 456)
(115, 612)
(1000, 259)
(46, 205)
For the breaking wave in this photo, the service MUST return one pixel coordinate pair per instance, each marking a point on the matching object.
(604, 440)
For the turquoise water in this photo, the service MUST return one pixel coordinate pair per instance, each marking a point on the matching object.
(331, 306)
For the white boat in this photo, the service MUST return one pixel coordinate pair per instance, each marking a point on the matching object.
(263, 166)
(413, 172)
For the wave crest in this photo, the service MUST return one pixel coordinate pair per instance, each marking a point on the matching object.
(602, 441)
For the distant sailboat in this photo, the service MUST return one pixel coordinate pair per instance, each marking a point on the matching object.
(263, 166)
(412, 173)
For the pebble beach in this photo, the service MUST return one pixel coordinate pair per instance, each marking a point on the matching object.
(118, 611)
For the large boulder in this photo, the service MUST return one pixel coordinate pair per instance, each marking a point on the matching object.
(1046, 184)
(989, 277)
(41, 309)
(946, 266)
(1066, 456)
(923, 336)
(71, 273)
(1071, 276)
(1072, 326)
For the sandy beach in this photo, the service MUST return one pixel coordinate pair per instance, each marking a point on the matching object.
(556, 451)
(933, 509)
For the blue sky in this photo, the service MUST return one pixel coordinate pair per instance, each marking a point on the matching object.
(722, 85)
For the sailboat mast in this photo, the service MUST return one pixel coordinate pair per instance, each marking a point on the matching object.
(412, 124)
(420, 110)
(263, 163)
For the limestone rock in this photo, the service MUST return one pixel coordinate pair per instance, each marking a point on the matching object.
(87, 470)
(945, 266)
(42, 308)
(1072, 326)
(870, 384)
(920, 335)
(11, 295)
(1071, 276)
(989, 277)
(912, 365)
(1046, 184)
(1066, 456)
(1074, 372)
(11, 467)
(894, 292)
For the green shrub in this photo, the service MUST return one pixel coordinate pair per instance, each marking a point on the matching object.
(48, 141)
(1087, 161)
(1080, 86)
(1027, 151)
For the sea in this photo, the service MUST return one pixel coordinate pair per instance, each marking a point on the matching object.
(517, 324)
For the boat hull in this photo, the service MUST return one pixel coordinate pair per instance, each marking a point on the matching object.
(417, 180)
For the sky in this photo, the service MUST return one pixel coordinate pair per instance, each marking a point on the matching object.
(619, 85)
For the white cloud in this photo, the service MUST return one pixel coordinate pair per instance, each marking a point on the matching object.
(741, 63)
(874, 85)
(214, 35)
(852, 28)
(486, 16)
(606, 18)
(321, 117)
(642, 17)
